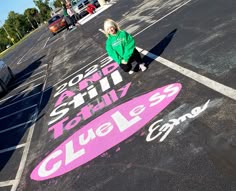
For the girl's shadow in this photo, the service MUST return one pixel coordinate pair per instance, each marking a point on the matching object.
(157, 50)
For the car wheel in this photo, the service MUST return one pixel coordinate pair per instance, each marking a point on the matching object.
(3, 87)
(11, 73)
(97, 4)
(79, 16)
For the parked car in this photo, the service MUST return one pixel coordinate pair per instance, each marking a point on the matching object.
(56, 24)
(80, 6)
(6, 75)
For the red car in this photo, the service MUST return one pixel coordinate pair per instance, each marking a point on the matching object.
(56, 24)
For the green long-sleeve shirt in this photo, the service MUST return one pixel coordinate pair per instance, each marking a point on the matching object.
(120, 46)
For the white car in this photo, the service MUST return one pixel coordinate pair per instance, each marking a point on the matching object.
(6, 75)
(79, 6)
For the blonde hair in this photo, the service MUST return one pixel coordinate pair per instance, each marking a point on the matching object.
(110, 22)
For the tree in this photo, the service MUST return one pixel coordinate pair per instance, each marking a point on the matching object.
(16, 25)
(44, 9)
(32, 16)
(4, 41)
(57, 3)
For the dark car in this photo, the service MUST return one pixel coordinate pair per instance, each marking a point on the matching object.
(56, 24)
(6, 75)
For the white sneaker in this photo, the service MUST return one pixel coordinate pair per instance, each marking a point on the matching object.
(131, 72)
(142, 67)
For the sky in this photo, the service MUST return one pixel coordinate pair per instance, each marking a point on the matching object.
(18, 6)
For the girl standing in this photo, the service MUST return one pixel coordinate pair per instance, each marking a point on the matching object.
(71, 13)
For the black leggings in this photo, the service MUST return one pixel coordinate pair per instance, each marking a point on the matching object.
(73, 20)
(134, 57)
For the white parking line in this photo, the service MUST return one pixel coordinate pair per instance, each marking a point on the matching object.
(12, 148)
(46, 42)
(23, 99)
(7, 183)
(25, 153)
(163, 17)
(19, 111)
(31, 74)
(21, 93)
(16, 126)
(53, 41)
(216, 86)
(25, 84)
(30, 87)
(27, 81)
(24, 56)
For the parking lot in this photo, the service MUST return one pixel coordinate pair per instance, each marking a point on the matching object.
(74, 120)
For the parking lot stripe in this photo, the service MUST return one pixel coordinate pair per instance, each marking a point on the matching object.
(21, 93)
(24, 55)
(46, 42)
(25, 152)
(31, 75)
(216, 86)
(23, 99)
(18, 111)
(16, 126)
(7, 183)
(25, 84)
(162, 17)
(12, 148)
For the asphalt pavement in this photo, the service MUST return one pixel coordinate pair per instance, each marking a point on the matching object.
(73, 120)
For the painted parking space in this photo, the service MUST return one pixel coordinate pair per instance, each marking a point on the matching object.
(103, 129)
(75, 125)
(18, 113)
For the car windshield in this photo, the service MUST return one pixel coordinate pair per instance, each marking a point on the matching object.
(53, 19)
(74, 2)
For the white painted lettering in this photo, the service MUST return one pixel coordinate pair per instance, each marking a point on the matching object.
(91, 70)
(75, 80)
(104, 129)
(122, 122)
(91, 136)
(151, 129)
(71, 155)
(92, 92)
(105, 61)
(78, 100)
(59, 113)
(43, 171)
(157, 98)
(171, 90)
(156, 131)
(60, 89)
(137, 110)
(104, 84)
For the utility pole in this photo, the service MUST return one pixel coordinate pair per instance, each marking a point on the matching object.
(36, 22)
(31, 23)
(18, 34)
(8, 36)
